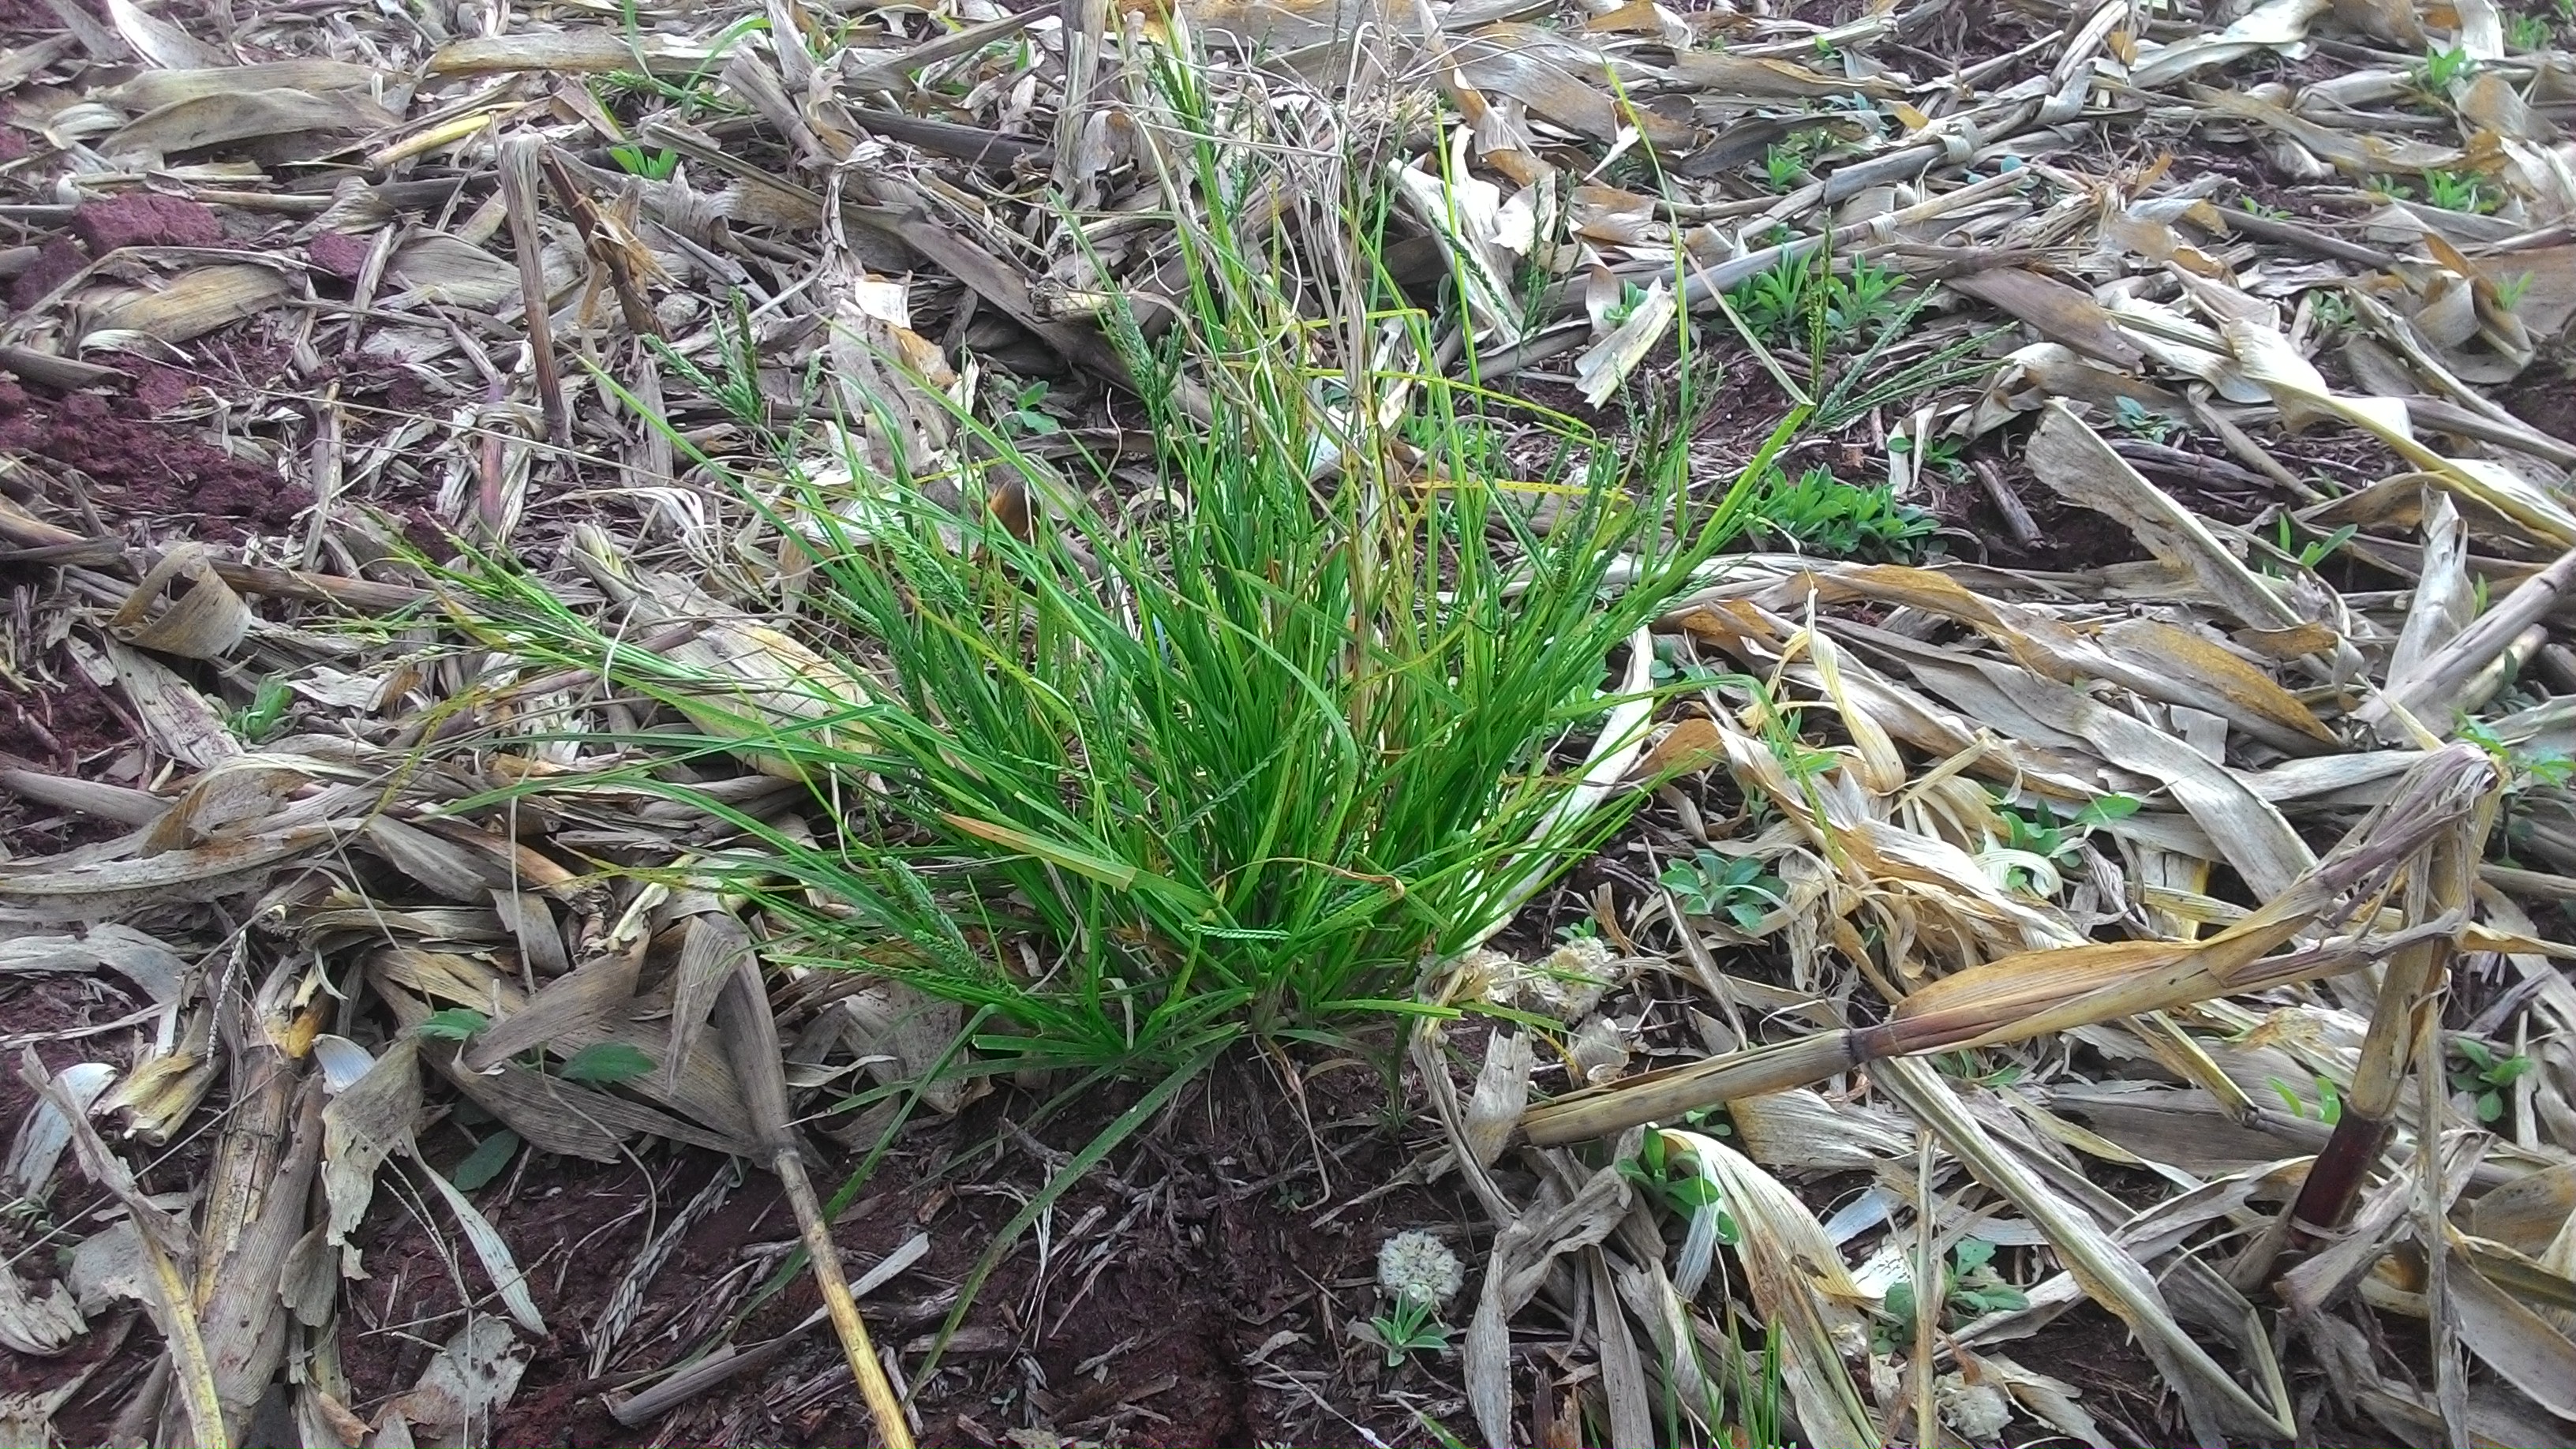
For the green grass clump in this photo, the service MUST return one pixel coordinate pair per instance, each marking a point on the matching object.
(1234, 760)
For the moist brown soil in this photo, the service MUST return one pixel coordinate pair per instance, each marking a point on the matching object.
(2545, 397)
(1181, 1294)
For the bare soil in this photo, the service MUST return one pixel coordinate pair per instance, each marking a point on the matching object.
(1197, 1289)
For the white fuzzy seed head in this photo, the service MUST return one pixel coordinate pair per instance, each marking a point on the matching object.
(1418, 1266)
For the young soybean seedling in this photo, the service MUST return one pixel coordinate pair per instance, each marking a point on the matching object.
(1740, 889)
(2486, 1077)
(1975, 1290)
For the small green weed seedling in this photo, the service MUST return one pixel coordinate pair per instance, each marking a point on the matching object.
(1941, 455)
(2509, 291)
(1631, 297)
(1778, 303)
(1774, 302)
(1971, 1067)
(2523, 769)
(1679, 1189)
(1975, 1290)
(257, 722)
(603, 1064)
(1864, 300)
(2441, 68)
(2140, 421)
(1820, 514)
(2329, 1108)
(1803, 302)
(651, 165)
(477, 1169)
(1023, 418)
(1783, 168)
(2483, 1076)
(2039, 832)
(2528, 32)
(1713, 885)
(454, 1023)
(2465, 192)
(1418, 1273)
(1686, 673)
(2313, 552)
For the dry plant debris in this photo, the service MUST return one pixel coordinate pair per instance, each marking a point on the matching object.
(2172, 925)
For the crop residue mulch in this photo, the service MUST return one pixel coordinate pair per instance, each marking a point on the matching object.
(2252, 422)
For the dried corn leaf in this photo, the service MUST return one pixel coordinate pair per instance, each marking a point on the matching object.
(203, 622)
(589, 49)
(1522, 1255)
(40, 1327)
(2071, 458)
(2057, 311)
(155, 89)
(2520, 1345)
(1797, 1280)
(51, 890)
(2110, 1275)
(1723, 74)
(2359, 154)
(224, 117)
(157, 40)
(189, 305)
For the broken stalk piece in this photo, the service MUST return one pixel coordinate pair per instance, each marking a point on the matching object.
(751, 1042)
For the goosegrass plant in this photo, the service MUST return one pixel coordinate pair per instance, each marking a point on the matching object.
(1298, 735)
(1232, 761)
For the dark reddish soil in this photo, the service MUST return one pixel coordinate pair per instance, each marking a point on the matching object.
(68, 728)
(2545, 397)
(142, 219)
(57, 262)
(140, 467)
(1199, 1244)
(337, 253)
(19, 18)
